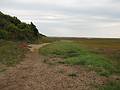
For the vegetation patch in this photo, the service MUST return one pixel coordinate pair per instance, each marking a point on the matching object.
(62, 49)
(11, 52)
(2, 70)
(89, 59)
(11, 28)
(74, 54)
(112, 85)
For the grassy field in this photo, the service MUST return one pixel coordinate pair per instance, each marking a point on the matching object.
(100, 55)
(110, 48)
(11, 53)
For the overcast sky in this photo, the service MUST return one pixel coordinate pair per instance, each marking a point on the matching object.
(68, 18)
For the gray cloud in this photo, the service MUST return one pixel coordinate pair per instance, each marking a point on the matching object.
(77, 18)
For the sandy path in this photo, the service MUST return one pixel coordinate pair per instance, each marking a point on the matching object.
(35, 47)
(34, 74)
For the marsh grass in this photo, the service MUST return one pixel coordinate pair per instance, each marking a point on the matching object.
(10, 53)
(61, 49)
(102, 56)
(75, 54)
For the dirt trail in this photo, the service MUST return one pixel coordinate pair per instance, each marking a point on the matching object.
(34, 74)
(35, 47)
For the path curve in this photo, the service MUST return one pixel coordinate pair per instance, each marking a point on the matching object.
(34, 47)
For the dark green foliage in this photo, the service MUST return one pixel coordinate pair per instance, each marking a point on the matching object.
(33, 27)
(3, 34)
(12, 28)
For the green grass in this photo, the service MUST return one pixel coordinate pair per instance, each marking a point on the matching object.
(109, 48)
(62, 49)
(91, 60)
(75, 54)
(10, 53)
(112, 85)
(2, 70)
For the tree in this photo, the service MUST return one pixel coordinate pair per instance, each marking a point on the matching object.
(35, 30)
(11, 28)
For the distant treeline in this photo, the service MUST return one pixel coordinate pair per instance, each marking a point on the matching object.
(11, 28)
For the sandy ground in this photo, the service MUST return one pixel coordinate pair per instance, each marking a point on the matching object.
(39, 73)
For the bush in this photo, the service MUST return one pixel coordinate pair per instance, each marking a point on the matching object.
(3, 34)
